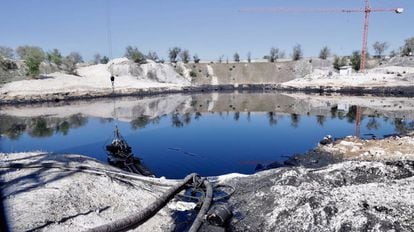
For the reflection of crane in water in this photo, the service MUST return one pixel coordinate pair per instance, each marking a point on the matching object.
(367, 10)
(358, 121)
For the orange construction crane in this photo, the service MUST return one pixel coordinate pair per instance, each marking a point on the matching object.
(367, 11)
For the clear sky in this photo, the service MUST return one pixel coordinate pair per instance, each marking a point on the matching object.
(210, 28)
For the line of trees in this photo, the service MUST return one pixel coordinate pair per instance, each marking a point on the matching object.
(33, 56)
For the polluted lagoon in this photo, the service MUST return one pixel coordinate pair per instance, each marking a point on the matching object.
(211, 133)
(206, 116)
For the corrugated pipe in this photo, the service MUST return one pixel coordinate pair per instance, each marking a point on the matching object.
(206, 205)
(135, 220)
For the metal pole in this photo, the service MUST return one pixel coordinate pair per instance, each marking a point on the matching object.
(365, 36)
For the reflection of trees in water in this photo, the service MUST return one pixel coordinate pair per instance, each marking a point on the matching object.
(176, 120)
(320, 119)
(63, 128)
(14, 127)
(403, 126)
(15, 131)
(187, 118)
(77, 120)
(294, 120)
(236, 116)
(334, 111)
(373, 123)
(351, 115)
(40, 128)
(140, 122)
(197, 115)
(143, 120)
(272, 118)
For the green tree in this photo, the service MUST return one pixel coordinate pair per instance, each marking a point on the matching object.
(173, 54)
(55, 57)
(104, 60)
(297, 52)
(76, 56)
(69, 64)
(152, 56)
(134, 54)
(324, 53)
(236, 57)
(196, 59)
(339, 62)
(408, 47)
(356, 60)
(379, 48)
(33, 57)
(273, 54)
(185, 56)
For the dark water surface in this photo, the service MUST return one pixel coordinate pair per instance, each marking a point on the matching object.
(210, 134)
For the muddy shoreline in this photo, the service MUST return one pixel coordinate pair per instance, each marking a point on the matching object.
(356, 193)
(394, 91)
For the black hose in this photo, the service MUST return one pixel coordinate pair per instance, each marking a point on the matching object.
(206, 206)
(138, 219)
(135, 220)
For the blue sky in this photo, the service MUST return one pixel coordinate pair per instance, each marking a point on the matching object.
(210, 28)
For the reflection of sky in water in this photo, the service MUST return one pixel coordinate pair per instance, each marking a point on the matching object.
(212, 144)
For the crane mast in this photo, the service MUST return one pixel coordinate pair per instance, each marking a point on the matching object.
(367, 10)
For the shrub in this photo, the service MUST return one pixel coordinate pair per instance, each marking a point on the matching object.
(297, 52)
(356, 60)
(324, 53)
(236, 57)
(55, 57)
(185, 56)
(134, 54)
(408, 47)
(338, 62)
(196, 59)
(7, 64)
(152, 56)
(104, 60)
(69, 64)
(76, 56)
(173, 54)
(32, 57)
(273, 55)
(379, 48)
(193, 73)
